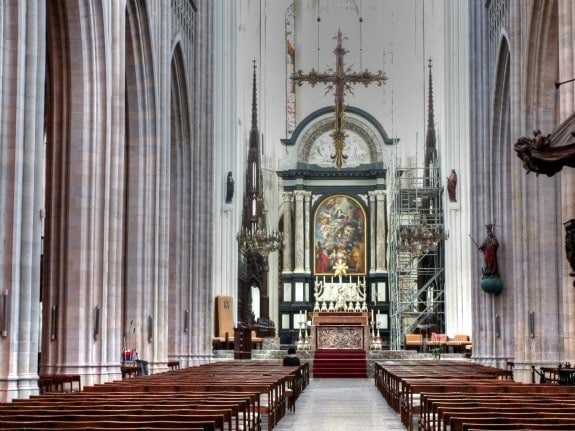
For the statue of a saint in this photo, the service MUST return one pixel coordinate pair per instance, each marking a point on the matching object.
(230, 188)
(489, 249)
(451, 186)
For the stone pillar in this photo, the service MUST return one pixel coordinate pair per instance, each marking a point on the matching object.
(287, 251)
(299, 243)
(307, 227)
(566, 12)
(21, 191)
(381, 229)
(372, 231)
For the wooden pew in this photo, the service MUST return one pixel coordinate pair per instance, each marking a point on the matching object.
(454, 419)
(430, 418)
(59, 382)
(270, 379)
(92, 423)
(229, 395)
(243, 408)
(510, 420)
(222, 418)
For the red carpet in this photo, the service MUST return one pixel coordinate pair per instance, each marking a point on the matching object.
(339, 363)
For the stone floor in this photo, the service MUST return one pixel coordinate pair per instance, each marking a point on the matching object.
(341, 404)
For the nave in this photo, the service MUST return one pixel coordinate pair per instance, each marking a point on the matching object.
(341, 404)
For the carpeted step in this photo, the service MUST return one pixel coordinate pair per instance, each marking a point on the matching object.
(339, 363)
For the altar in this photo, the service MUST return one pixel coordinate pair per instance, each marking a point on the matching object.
(340, 317)
(340, 330)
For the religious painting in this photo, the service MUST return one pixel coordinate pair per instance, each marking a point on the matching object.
(339, 236)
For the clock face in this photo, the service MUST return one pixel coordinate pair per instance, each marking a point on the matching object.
(226, 304)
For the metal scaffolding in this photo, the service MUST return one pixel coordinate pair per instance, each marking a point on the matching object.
(416, 267)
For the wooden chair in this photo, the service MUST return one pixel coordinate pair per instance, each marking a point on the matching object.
(224, 322)
(257, 341)
(459, 342)
(414, 340)
(437, 340)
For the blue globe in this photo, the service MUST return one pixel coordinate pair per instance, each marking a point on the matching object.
(491, 284)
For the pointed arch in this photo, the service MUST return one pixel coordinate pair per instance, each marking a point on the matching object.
(74, 272)
(142, 233)
(542, 196)
(542, 66)
(180, 218)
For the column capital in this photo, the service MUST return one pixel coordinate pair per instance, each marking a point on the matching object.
(299, 194)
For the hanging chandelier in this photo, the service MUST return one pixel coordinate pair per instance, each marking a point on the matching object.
(254, 236)
(258, 239)
(421, 239)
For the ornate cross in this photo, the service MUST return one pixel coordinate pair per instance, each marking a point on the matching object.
(340, 82)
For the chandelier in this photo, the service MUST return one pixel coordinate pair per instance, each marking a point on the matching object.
(254, 236)
(258, 239)
(421, 239)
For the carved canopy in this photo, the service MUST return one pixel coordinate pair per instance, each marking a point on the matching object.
(548, 154)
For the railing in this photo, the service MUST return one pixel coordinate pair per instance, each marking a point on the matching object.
(561, 375)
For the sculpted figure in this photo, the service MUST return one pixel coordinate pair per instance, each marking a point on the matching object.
(548, 154)
(229, 188)
(489, 250)
(452, 186)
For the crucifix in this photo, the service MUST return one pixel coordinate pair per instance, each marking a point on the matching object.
(340, 82)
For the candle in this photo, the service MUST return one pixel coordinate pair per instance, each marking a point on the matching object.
(372, 314)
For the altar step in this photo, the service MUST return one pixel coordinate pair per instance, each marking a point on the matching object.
(339, 364)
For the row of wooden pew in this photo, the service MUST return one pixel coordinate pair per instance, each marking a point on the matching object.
(59, 383)
(433, 395)
(226, 396)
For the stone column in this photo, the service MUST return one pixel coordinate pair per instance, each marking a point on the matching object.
(21, 191)
(566, 12)
(381, 229)
(299, 231)
(287, 251)
(372, 231)
(307, 226)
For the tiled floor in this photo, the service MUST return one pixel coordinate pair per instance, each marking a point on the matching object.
(341, 404)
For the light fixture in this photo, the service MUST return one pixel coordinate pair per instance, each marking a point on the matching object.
(254, 236)
(421, 239)
(258, 239)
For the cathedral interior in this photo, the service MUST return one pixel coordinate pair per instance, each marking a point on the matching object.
(176, 175)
